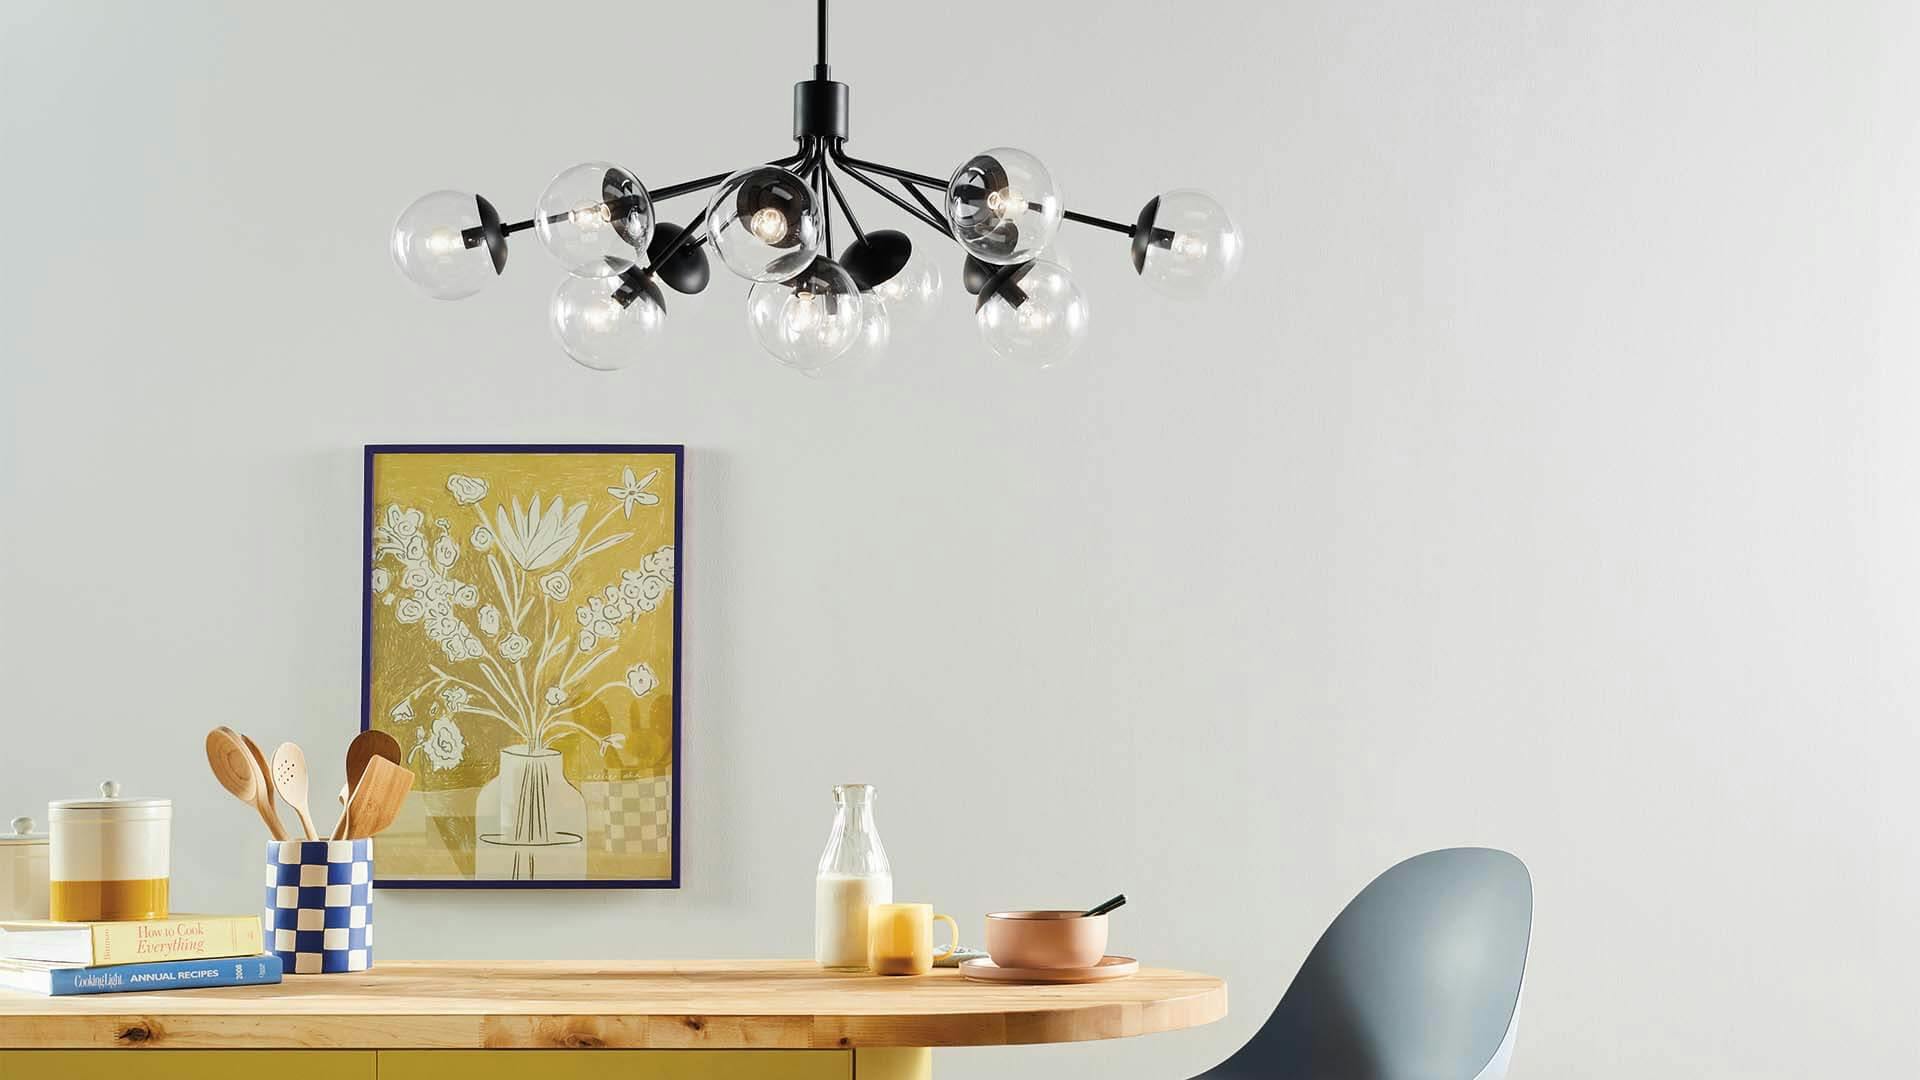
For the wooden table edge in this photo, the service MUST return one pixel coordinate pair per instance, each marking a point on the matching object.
(154, 1027)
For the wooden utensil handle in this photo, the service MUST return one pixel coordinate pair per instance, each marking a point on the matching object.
(274, 828)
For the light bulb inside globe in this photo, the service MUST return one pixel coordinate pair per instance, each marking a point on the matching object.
(769, 225)
(1033, 313)
(1003, 206)
(809, 321)
(762, 223)
(595, 218)
(1185, 245)
(449, 243)
(607, 323)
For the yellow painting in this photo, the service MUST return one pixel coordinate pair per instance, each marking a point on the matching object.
(521, 641)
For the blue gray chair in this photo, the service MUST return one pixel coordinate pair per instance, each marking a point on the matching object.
(1418, 979)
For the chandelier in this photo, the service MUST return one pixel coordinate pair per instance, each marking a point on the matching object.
(812, 303)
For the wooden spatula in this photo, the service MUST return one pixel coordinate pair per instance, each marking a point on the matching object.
(375, 801)
(364, 748)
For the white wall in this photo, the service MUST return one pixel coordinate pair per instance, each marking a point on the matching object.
(1546, 480)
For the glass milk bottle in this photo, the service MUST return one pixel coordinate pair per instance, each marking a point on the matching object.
(853, 875)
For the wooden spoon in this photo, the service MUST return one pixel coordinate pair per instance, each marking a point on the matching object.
(364, 748)
(241, 775)
(376, 800)
(290, 780)
(266, 781)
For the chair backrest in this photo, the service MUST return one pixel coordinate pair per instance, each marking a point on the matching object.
(1418, 979)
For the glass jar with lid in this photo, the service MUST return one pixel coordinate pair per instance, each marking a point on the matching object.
(109, 857)
(23, 872)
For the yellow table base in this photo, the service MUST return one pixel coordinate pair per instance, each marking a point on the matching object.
(877, 1064)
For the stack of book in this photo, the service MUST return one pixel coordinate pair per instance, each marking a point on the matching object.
(156, 954)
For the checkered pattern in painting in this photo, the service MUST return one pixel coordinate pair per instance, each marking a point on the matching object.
(631, 815)
(319, 915)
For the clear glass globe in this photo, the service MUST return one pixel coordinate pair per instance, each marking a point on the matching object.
(913, 295)
(596, 218)
(1192, 246)
(1038, 317)
(876, 332)
(763, 223)
(430, 245)
(604, 323)
(808, 321)
(1003, 206)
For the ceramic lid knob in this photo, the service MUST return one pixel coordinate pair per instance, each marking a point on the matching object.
(109, 789)
(22, 826)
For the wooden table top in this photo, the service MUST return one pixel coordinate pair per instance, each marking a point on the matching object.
(713, 1004)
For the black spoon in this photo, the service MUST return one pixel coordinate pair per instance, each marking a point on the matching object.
(1104, 908)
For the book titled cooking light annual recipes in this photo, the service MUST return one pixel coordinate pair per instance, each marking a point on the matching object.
(38, 977)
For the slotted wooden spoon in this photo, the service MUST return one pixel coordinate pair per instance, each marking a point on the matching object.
(290, 780)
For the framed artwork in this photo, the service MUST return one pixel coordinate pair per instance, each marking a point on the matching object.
(520, 638)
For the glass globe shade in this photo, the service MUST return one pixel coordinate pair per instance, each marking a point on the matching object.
(597, 329)
(430, 245)
(869, 347)
(808, 321)
(763, 224)
(595, 218)
(1037, 317)
(1003, 206)
(1190, 247)
(911, 296)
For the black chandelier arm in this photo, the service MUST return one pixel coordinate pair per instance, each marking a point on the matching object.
(924, 218)
(908, 177)
(845, 210)
(473, 237)
(921, 198)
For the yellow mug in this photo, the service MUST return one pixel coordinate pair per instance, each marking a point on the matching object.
(900, 938)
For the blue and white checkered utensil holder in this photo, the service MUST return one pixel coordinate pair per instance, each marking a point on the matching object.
(319, 916)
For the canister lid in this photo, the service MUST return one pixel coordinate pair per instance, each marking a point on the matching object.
(22, 834)
(110, 802)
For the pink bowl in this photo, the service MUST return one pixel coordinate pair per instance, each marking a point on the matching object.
(1046, 939)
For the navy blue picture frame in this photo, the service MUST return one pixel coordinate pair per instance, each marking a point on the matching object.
(678, 452)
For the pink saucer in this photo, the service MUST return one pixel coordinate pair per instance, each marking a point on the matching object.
(1109, 967)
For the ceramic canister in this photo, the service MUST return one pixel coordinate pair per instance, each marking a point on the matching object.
(23, 872)
(108, 859)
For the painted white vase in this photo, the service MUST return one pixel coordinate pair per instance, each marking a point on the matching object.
(532, 822)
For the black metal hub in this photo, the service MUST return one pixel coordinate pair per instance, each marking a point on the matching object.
(819, 109)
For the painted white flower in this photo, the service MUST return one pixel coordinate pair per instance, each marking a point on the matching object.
(557, 585)
(454, 697)
(445, 746)
(633, 492)
(641, 679)
(514, 647)
(652, 588)
(660, 562)
(410, 610)
(402, 713)
(381, 579)
(467, 490)
(466, 596)
(604, 629)
(416, 550)
(555, 695)
(587, 641)
(537, 539)
(473, 648)
(403, 523)
(481, 538)
(490, 620)
(414, 577)
(445, 551)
